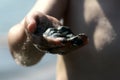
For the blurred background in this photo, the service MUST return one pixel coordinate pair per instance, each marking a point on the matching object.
(12, 12)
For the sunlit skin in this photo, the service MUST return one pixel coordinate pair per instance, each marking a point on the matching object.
(99, 19)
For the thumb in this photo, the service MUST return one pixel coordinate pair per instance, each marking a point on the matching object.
(31, 24)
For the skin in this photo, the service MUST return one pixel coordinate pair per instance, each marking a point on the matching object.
(99, 19)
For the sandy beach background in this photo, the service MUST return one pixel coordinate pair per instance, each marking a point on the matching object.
(11, 12)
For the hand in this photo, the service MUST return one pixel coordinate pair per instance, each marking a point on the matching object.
(21, 48)
(51, 36)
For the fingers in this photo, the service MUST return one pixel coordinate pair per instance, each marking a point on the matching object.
(54, 41)
(52, 36)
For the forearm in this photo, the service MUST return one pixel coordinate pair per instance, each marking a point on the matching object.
(55, 8)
